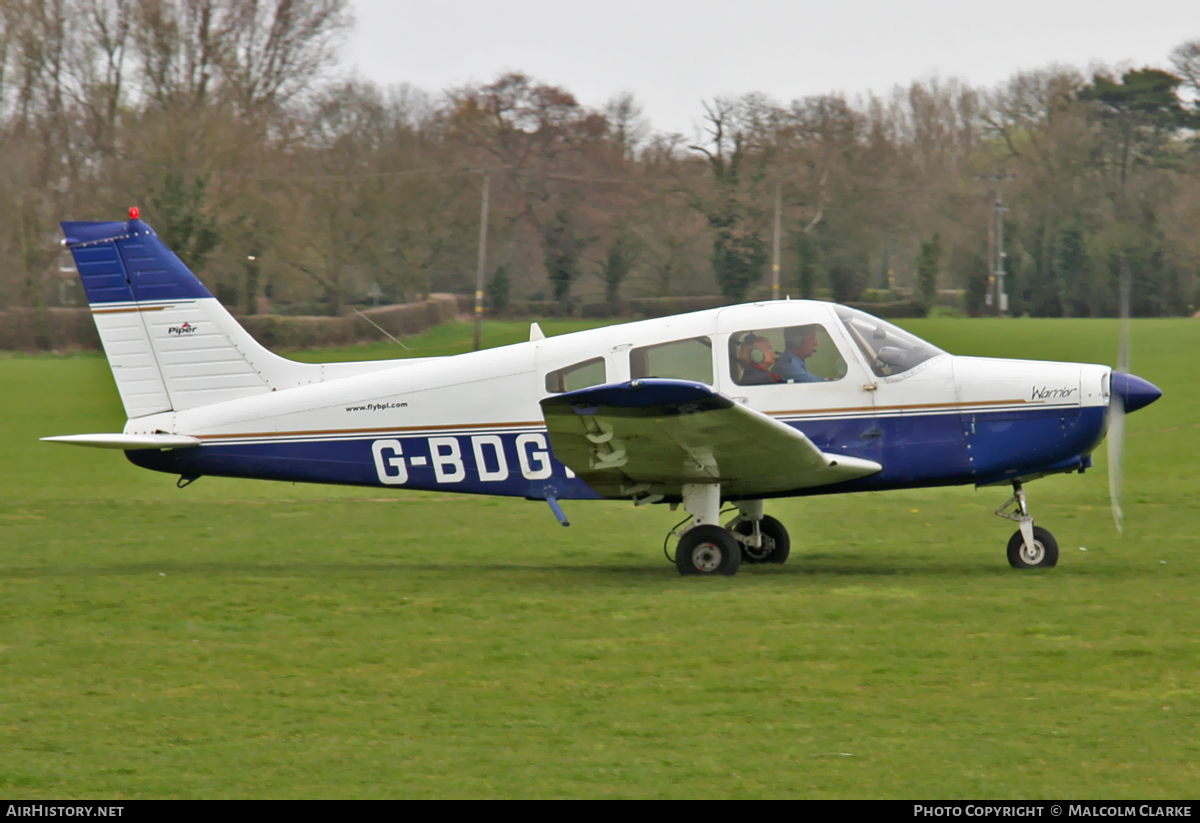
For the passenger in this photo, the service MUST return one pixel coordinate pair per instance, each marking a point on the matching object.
(800, 343)
(756, 356)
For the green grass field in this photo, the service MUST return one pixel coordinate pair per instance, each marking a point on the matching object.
(243, 639)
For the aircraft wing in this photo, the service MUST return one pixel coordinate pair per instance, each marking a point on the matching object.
(651, 436)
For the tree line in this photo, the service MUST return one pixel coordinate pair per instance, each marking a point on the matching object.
(290, 187)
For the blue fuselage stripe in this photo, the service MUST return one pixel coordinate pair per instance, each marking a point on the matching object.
(915, 450)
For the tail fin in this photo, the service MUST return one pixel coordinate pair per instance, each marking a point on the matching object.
(171, 345)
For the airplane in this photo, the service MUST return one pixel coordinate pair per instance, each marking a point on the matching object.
(692, 410)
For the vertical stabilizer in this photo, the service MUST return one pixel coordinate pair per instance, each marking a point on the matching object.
(171, 345)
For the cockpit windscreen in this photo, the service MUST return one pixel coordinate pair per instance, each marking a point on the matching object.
(889, 349)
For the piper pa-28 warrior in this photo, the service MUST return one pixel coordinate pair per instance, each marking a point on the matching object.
(734, 405)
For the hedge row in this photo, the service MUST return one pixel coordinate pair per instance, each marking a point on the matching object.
(637, 307)
(900, 308)
(47, 328)
(60, 328)
(666, 306)
(277, 331)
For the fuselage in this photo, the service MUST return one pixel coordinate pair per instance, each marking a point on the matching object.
(472, 422)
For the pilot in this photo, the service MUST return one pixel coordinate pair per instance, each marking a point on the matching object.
(756, 356)
(800, 343)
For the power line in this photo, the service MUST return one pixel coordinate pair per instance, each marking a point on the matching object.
(428, 172)
(431, 172)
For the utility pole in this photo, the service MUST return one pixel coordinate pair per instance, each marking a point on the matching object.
(1000, 253)
(483, 224)
(888, 271)
(990, 297)
(997, 273)
(775, 252)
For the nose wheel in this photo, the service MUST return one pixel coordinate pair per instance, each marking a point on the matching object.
(1042, 554)
(1030, 547)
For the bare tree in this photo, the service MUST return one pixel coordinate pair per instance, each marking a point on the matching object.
(98, 64)
(1185, 59)
(277, 49)
(628, 125)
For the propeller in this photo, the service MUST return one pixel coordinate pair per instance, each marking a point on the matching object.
(1116, 403)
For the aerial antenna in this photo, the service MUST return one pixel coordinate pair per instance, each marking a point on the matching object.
(382, 329)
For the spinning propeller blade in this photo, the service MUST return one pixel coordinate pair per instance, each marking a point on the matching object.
(1116, 456)
(1116, 404)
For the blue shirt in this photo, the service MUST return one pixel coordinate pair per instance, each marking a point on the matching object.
(793, 370)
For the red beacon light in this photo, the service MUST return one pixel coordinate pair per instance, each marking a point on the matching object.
(133, 212)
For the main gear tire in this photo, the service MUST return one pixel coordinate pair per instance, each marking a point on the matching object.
(776, 545)
(707, 551)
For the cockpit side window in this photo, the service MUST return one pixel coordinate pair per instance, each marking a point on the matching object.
(576, 376)
(690, 359)
(889, 349)
(793, 354)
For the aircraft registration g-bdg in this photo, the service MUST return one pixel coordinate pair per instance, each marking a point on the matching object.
(734, 405)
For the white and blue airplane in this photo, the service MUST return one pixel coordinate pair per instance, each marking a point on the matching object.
(734, 406)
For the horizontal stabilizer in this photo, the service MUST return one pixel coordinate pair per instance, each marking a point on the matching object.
(128, 442)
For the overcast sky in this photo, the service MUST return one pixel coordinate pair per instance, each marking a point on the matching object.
(673, 54)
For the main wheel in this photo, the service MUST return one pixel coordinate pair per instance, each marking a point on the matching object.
(708, 550)
(775, 541)
(1043, 556)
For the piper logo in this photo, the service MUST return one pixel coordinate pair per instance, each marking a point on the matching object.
(186, 328)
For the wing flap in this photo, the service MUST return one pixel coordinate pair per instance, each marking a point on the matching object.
(654, 435)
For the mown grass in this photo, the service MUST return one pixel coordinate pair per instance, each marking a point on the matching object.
(242, 639)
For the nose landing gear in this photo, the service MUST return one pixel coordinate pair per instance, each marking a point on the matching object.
(1030, 547)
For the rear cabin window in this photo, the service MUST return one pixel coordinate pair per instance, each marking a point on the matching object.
(577, 376)
(689, 359)
(794, 354)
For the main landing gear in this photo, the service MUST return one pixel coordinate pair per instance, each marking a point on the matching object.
(1030, 547)
(707, 548)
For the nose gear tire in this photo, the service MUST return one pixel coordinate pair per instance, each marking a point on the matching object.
(1043, 556)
